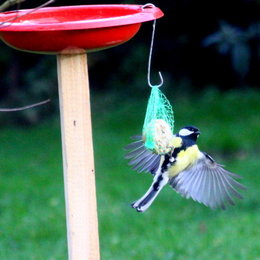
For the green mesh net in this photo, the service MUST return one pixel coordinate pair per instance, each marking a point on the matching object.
(159, 123)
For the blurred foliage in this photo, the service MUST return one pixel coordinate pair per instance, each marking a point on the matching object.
(197, 43)
(235, 42)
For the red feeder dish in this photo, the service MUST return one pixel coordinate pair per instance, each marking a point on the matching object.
(70, 32)
(57, 29)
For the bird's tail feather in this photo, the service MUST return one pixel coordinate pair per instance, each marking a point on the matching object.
(147, 199)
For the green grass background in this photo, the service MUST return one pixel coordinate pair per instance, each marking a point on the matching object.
(32, 218)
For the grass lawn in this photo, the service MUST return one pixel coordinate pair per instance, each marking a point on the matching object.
(32, 218)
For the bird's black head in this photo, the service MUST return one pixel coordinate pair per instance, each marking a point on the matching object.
(189, 132)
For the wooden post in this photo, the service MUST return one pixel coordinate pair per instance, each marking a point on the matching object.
(78, 159)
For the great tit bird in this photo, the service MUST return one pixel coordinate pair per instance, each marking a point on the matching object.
(191, 172)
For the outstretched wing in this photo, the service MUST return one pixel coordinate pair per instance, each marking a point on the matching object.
(142, 159)
(209, 183)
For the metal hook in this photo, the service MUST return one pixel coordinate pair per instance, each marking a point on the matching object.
(150, 58)
(149, 5)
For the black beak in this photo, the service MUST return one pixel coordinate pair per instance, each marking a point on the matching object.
(197, 132)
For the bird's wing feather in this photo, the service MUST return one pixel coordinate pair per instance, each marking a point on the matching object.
(142, 159)
(209, 183)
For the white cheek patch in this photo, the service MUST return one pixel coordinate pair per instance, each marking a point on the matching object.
(185, 132)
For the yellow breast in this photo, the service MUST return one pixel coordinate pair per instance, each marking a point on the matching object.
(184, 159)
(176, 142)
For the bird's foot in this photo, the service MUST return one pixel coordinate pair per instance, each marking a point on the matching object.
(136, 205)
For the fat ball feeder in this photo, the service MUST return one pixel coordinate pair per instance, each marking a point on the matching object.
(70, 32)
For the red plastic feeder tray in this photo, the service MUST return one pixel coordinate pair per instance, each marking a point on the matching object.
(57, 29)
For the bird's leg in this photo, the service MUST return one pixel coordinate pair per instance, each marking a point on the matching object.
(159, 181)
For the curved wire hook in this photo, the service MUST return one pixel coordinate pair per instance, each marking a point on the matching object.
(148, 5)
(150, 55)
